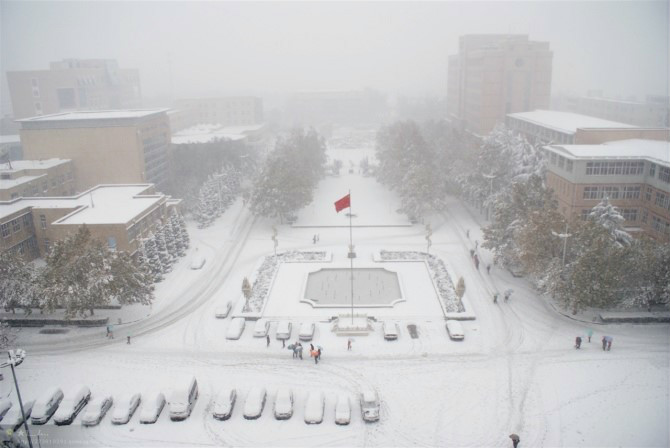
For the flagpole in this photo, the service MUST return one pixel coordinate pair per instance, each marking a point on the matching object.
(351, 259)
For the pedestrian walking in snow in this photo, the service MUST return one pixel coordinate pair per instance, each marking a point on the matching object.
(318, 353)
(609, 343)
(313, 354)
(578, 342)
(467, 233)
(300, 351)
(488, 268)
(495, 298)
(349, 345)
(267, 338)
(515, 440)
(589, 334)
(314, 239)
(476, 261)
(472, 253)
(476, 244)
(128, 342)
(283, 343)
(508, 293)
(107, 335)
(604, 343)
(311, 347)
(318, 237)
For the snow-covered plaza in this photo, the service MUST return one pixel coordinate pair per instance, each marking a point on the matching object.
(516, 371)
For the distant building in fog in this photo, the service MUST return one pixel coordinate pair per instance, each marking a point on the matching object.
(346, 107)
(74, 84)
(112, 147)
(30, 178)
(496, 74)
(651, 113)
(224, 111)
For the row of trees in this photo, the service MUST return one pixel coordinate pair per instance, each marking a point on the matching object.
(159, 251)
(290, 174)
(216, 194)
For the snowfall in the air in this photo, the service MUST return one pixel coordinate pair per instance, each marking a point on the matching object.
(515, 371)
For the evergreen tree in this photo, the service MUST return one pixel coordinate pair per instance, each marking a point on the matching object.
(133, 281)
(186, 240)
(176, 234)
(608, 216)
(153, 260)
(162, 250)
(17, 283)
(170, 243)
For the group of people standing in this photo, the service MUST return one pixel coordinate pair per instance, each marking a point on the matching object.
(314, 352)
(606, 340)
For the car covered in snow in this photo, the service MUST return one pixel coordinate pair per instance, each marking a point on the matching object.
(224, 403)
(370, 405)
(221, 312)
(284, 404)
(46, 406)
(182, 400)
(455, 330)
(13, 418)
(71, 405)
(198, 261)
(283, 332)
(125, 408)
(306, 332)
(96, 410)
(314, 408)
(152, 408)
(255, 402)
(236, 328)
(390, 330)
(261, 328)
(342, 410)
(5, 405)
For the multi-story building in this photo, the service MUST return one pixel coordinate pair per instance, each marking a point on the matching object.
(118, 215)
(344, 107)
(225, 111)
(119, 146)
(651, 113)
(550, 126)
(25, 178)
(496, 74)
(74, 84)
(634, 174)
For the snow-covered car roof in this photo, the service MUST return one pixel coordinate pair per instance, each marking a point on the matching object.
(314, 406)
(369, 396)
(154, 399)
(254, 401)
(306, 328)
(283, 400)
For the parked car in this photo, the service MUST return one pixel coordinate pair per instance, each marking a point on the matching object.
(284, 328)
(390, 330)
(183, 400)
(152, 408)
(125, 408)
(222, 312)
(314, 408)
(455, 330)
(370, 405)
(255, 402)
(96, 410)
(306, 331)
(236, 328)
(342, 410)
(284, 404)
(261, 328)
(224, 404)
(198, 261)
(71, 405)
(13, 418)
(46, 406)
(5, 405)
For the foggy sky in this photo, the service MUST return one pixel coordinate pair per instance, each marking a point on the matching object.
(399, 48)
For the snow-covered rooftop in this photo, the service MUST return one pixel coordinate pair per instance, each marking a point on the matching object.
(566, 122)
(656, 151)
(94, 115)
(10, 139)
(204, 133)
(18, 165)
(103, 204)
(6, 184)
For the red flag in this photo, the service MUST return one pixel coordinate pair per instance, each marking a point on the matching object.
(343, 203)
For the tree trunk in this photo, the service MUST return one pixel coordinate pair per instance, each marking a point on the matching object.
(91, 310)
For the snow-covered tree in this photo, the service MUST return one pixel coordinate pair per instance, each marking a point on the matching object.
(150, 254)
(608, 216)
(133, 281)
(17, 283)
(161, 248)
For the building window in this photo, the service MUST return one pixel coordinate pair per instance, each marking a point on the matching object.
(553, 158)
(111, 243)
(561, 162)
(644, 216)
(652, 169)
(47, 245)
(629, 214)
(43, 222)
(631, 192)
(590, 193)
(662, 200)
(38, 108)
(4, 230)
(569, 165)
(647, 194)
(27, 221)
(585, 214)
(45, 186)
(16, 225)
(664, 174)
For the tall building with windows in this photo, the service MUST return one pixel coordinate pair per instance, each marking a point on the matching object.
(74, 84)
(496, 74)
(224, 111)
(118, 146)
(634, 174)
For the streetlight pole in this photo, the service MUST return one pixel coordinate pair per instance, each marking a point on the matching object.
(564, 237)
(16, 358)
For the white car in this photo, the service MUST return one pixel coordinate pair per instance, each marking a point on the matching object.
(370, 405)
(255, 402)
(390, 331)
(46, 406)
(5, 405)
(236, 328)
(198, 261)
(306, 331)
(152, 408)
(314, 408)
(71, 405)
(261, 328)
(284, 404)
(455, 330)
(96, 410)
(182, 401)
(222, 312)
(13, 418)
(284, 328)
(342, 410)
(125, 408)
(224, 404)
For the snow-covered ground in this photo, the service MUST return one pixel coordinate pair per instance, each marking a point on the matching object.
(516, 370)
